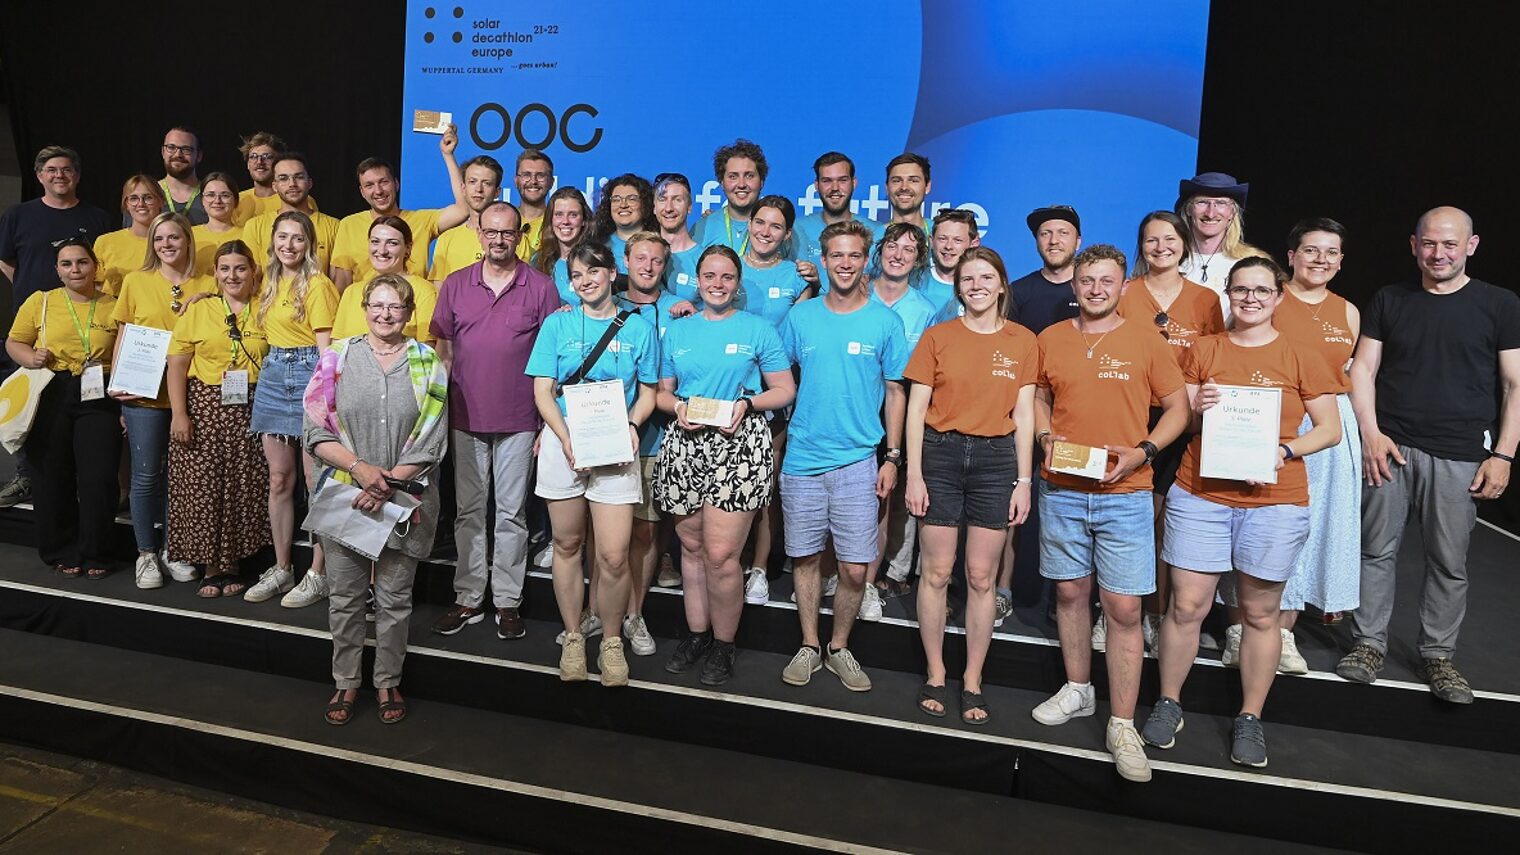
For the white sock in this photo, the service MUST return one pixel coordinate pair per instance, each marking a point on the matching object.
(1127, 722)
(1084, 688)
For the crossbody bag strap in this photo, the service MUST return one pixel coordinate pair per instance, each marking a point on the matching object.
(596, 352)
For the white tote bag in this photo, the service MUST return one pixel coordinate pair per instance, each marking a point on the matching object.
(20, 393)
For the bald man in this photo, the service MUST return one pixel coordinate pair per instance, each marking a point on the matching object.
(1431, 362)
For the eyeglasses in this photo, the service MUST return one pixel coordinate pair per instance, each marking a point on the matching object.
(141, 198)
(494, 234)
(263, 157)
(1314, 252)
(176, 293)
(219, 194)
(533, 177)
(59, 170)
(625, 200)
(1240, 292)
(171, 148)
(386, 308)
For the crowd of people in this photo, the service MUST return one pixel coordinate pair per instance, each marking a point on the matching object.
(874, 394)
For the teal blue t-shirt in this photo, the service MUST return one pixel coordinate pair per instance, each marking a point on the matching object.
(916, 312)
(566, 339)
(937, 290)
(948, 312)
(657, 315)
(720, 227)
(619, 249)
(846, 362)
(681, 274)
(567, 294)
(808, 229)
(770, 292)
(721, 359)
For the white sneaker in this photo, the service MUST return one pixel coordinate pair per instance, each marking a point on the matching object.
(591, 625)
(275, 580)
(179, 571)
(1290, 661)
(147, 572)
(1150, 627)
(1129, 753)
(313, 588)
(1100, 634)
(830, 585)
(1230, 658)
(870, 604)
(1068, 703)
(757, 589)
(639, 639)
(1207, 640)
(544, 560)
(668, 577)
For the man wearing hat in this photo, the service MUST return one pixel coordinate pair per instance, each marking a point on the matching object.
(1044, 297)
(1213, 206)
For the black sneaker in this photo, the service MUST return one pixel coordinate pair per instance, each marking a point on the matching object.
(689, 652)
(719, 666)
(1446, 682)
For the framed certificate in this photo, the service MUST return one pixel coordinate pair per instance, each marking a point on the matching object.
(1241, 433)
(597, 418)
(139, 367)
(1070, 458)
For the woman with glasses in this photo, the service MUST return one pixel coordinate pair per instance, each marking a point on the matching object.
(122, 251)
(672, 207)
(219, 195)
(1183, 312)
(626, 208)
(74, 446)
(295, 309)
(376, 419)
(390, 245)
(218, 506)
(155, 296)
(1252, 528)
(569, 217)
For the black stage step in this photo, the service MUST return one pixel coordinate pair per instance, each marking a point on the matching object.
(508, 779)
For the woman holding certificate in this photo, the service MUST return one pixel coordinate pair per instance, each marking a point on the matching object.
(155, 297)
(970, 440)
(74, 446)
(719, 369)
(376, 414)
(593, 371)
(1239, 504)
(218, 480)
(295, 307)
(390, 245)
(568, 218)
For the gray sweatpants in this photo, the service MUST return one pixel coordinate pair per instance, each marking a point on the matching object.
(1437, 490)
(348, 576)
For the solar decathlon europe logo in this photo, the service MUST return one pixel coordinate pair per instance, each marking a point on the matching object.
(487, 38)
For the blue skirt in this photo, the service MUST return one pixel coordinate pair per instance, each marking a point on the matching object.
(1329, 570)
(279, 394)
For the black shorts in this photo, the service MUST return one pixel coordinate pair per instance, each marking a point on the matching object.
(969, 478)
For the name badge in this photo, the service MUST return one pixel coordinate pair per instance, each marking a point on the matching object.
(92, 382)
(234, 387)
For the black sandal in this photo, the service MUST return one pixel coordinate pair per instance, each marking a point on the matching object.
(345, 707)
(97, 573)
(974, 701)
(68, 572)
(927, 692)
(213, 584)
(395, 704)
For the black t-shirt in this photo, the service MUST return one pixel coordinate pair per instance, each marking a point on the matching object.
(27, 233)
(1437, 383)
(1038, 302)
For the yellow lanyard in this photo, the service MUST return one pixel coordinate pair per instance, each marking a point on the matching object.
(728, 225)
(83, 330)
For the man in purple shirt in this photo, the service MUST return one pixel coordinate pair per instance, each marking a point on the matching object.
(487, 317)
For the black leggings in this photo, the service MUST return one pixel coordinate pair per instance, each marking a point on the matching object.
(74, 449)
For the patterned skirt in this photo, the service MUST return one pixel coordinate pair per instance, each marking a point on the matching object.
(218, 486)
(1329, 570)
(705, 467)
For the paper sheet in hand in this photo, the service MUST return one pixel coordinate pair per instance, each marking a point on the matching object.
(431, 121)
(710, 411)
(332, 513)
(597, 416)
(139, 367)
(1072, 459)
(1241, 433)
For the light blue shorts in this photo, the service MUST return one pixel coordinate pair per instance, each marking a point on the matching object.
(1207, 537)
(1111, 534)
(841, 502)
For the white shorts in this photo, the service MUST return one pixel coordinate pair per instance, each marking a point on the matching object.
(608, 485)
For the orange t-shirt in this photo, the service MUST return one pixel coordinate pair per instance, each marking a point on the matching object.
(1105, 399)
(1323, 328)
(975, 377)
(1300, 376)
(1194, 313)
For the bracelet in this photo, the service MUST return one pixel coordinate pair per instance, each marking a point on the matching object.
(1150, 450)
(749, 404)
(355, 464)
(1287, 451)
(1507, 458)
(633, 424)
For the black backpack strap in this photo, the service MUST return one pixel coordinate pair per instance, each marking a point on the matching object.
(596, 352)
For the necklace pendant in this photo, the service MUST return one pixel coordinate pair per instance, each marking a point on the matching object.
(1089, 353)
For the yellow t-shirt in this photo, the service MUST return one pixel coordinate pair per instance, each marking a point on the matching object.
(65, 348)
(251, 205)
(207, 242)
(203, 335)
(351, 250)
(146, 299)
(351, 320)
(259, 231)
(321, 305)
(532, 236)
(120, 252)
(456, 249)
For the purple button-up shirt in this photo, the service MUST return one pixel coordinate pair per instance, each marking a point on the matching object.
(492, 336)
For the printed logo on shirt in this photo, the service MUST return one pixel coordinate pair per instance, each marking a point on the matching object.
(731, 348)
(1109, 368)
(1178, 335)
(859, 348)
(1002, 366)
(682, 278)
(615, 346)
(1335, 334)
(1260, 379)
(679, 352)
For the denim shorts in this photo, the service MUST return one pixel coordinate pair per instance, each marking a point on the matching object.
(1207, 537)
(278, 395)
(841, 502)
(969, 478)
(1112, 534)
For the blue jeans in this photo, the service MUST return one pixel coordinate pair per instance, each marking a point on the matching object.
(148, 443)
(1110, 534)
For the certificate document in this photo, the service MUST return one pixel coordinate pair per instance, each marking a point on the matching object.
(597, 418)
(139, 368)
(1241, 433)
(709, 411)
(1070, 458)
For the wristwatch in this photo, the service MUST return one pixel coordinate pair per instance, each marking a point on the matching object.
(894, 456)
(1150, 450)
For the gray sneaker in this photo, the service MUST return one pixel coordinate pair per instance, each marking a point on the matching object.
(18, 490)
(1163, 724)
(1361, 665)
(850, 673)
(1446, 682)
(802, 667)
(1248, 742)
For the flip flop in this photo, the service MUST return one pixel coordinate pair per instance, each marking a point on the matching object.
(974, 701)
(68, 572)
(97, 573)
(937, 694)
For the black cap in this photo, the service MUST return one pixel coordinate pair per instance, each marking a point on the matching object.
(1038, 216)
